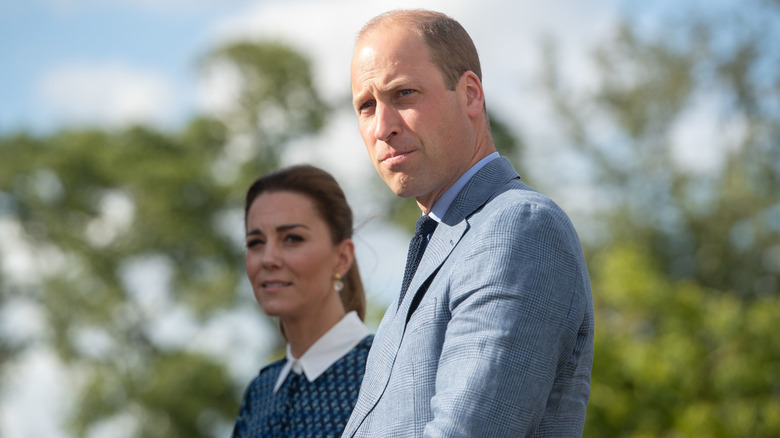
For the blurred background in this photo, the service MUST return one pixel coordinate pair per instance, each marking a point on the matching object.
(130, 129)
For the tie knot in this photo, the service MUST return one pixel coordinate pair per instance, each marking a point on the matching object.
(425, 225)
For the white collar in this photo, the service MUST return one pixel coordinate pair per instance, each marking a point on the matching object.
(330, 347)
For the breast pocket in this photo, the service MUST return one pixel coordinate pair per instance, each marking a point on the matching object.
(428, 317)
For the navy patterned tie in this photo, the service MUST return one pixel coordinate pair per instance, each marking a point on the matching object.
(422, 231)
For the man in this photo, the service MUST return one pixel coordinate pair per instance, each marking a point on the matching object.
(494, 336)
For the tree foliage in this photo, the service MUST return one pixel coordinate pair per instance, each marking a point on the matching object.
(96, 205)
(674, 358)
(685, 280)
(276, 99)
(705, 82)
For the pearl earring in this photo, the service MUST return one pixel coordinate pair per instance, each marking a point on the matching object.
(338, 285)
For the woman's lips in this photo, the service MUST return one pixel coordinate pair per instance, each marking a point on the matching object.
(274, 285)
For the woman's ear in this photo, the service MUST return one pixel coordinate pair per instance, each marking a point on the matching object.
(345, 256)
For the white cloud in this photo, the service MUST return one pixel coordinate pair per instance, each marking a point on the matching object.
(17, 256)
(110, 93)
(22, 320)
(117, 211)
(218, 88)
(702, 138)
(37, 395)
(166, 7)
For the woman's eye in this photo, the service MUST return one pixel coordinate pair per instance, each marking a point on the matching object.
(293, 238)
(253, 243)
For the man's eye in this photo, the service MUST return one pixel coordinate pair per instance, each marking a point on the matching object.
(406, 92)
(366, 106)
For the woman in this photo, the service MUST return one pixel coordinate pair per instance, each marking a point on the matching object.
(300, 262)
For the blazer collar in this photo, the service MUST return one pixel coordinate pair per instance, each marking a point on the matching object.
(454, 225)
(480, 189)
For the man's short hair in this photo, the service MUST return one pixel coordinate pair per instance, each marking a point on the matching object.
(449, 45)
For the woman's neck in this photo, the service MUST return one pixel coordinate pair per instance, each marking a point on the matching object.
(302, 333)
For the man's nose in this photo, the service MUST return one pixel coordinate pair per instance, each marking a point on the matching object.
(387, 122)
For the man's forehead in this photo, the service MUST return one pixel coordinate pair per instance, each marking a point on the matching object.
(388, 33)
(386, 50)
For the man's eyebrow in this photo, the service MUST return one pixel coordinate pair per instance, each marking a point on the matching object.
(357, 100)
(389, 88)
(361, 97)
(396, 84)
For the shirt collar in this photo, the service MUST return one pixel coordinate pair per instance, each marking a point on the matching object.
(443, 203)
(330, 347)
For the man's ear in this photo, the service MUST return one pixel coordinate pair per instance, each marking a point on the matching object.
(473, 93)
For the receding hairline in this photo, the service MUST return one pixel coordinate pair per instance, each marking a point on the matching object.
(448, 43)
(399, 18)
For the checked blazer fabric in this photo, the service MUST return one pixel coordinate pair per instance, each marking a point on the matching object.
(301, 408)
(500, 343)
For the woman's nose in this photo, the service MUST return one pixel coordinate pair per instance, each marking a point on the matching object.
(271, 256)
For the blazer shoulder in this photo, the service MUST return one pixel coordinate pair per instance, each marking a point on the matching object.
(518, 210)
(515, 195)
(496, 186)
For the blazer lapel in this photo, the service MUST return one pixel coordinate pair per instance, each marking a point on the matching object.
(388, 339)
(448, 233)
(476, 193)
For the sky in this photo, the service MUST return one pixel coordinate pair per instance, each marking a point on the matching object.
(112, 63)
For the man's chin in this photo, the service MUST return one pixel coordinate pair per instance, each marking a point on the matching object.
(401, 190)
(402, 185)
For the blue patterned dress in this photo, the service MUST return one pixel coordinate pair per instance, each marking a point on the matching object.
(301, 408)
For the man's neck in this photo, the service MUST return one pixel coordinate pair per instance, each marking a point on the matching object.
(438, 208)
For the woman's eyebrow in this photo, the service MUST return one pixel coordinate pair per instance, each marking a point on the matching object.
(290, 226)
(286, 227)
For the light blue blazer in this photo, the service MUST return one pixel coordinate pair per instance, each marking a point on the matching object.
(495, 336)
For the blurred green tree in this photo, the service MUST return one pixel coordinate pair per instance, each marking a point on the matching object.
(676, 359)
(96, 205)
(680, 136)
(681, 133)
(276, 100)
